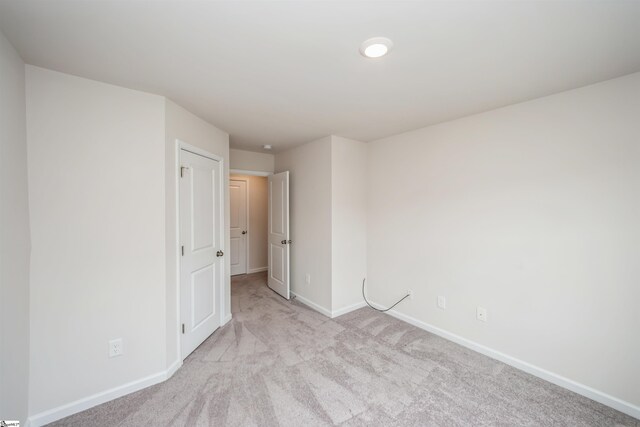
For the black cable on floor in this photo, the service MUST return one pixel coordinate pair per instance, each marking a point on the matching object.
(378, 309)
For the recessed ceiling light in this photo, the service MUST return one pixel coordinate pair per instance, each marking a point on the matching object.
(267, 147)
(376, 47)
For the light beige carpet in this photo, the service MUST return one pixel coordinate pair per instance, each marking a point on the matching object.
(280, 363)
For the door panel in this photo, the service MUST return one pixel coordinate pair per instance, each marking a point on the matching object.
(278, 278)
(203, 295)
(202, 211)
(200, 199)
(277, 258)
(238, 229)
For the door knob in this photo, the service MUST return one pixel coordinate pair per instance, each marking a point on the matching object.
(219, 253)
(244, 231)
(284, 242)
(289, 242)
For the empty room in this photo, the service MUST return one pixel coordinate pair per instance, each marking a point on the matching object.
(319, 213)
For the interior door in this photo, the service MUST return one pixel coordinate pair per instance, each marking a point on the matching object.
(238, 248)
(279, 241)
(201, 266)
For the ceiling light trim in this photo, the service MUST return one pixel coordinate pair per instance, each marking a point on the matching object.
(376, 47)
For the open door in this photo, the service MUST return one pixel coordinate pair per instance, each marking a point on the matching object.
(278, 277)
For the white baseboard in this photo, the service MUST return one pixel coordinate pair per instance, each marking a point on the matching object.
(313, 305)
(257, 270)
(329, 313)
(227, 319)
(584, 390)
(116, 392)
(80, 405)
(173, 368)
(347, 309)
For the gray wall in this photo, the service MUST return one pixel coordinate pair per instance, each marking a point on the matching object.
(530, 211)
(97, 194)
(14, 238)
(309, 169)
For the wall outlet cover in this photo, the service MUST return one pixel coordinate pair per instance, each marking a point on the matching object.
(481, 314)
(442, 302)
(116, 348)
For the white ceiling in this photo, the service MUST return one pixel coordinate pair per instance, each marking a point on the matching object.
(284, 73)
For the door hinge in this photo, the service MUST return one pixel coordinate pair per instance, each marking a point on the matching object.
(182, 250)
(182, 168)
(183, 328)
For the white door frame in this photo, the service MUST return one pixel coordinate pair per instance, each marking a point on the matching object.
(246, 203)
(245, 172)
(251, 173)
(181, 145)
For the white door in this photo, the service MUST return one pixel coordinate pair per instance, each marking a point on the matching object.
(238, 248)
(278, 278)
(201, 266)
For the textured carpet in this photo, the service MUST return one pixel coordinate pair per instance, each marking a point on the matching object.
(280, 363)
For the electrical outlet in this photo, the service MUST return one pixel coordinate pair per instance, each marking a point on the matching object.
(116, 348)
(307, 279)
(442, 302)
(410, 293)
(481, 314)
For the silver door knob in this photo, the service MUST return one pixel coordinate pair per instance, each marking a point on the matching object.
(219, 253)
(244, 231)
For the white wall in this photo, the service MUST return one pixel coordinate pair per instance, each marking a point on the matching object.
(348, 221)
(530, 211)
(251, 161)
(310, 226)
(257, 221)
(14, 238)
(96, 157)
(185, 126)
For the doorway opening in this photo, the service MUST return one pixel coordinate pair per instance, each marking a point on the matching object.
(259, 230)
(248, 195)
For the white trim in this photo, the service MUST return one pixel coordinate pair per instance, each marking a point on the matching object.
(247, 236)
(246, 172)
(181, 145)
(83, 404)
(348, 309)
(173, 368)
(313, 305)
(226, 319)
(584, 390)
(177, 253)
(199, 151)
(327, 312)
(246, 204)
(257, 270)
